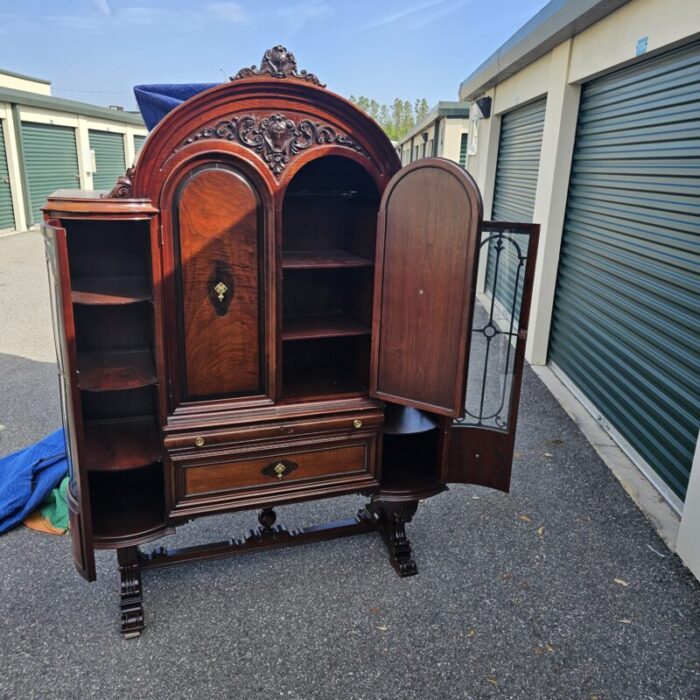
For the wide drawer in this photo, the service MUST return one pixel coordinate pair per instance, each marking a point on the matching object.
(278, 469)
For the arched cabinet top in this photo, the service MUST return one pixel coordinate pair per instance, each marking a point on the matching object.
(274, 123)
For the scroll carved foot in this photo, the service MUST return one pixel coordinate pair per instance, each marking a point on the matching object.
(130, 592)
(391, 522)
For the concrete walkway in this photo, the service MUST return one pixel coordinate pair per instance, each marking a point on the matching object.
(560, 589)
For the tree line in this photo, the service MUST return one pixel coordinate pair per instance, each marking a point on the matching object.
(396, 119)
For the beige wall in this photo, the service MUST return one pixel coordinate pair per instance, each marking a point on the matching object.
(605, 46)
(448, 132)
(26, 84)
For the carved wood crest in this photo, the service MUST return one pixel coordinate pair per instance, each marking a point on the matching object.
(279, 63)
(276, 138)
(123, 188)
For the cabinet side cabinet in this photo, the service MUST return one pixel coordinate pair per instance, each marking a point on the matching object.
(268, 309)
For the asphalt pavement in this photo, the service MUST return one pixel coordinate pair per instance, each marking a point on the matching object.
(560, 589)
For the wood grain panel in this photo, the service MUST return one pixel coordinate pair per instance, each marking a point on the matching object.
(246, 472)
(429, 226)
(218, 214)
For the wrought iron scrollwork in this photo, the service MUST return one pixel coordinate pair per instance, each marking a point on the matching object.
(496, 328)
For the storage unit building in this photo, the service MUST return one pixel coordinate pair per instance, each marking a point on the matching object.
(48, 143)
(616, 190)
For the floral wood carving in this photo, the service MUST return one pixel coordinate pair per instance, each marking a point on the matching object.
(123, 188)
(276, 138)
(279, 63)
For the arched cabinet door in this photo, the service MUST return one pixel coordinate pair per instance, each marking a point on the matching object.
(427, 252)
(479, 445)
(218, 239)
(437, 345)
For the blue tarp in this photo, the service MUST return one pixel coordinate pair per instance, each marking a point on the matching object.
(155, 101)
(28, 476)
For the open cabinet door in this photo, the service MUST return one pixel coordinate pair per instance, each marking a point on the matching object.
(427, 248)
(64, 336)
(479, 445)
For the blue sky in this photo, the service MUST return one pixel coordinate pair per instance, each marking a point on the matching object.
(96, 50)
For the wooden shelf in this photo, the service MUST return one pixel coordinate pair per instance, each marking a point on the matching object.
(321, 326)
(115, 369)
(101, 291)
(126, 504)
(323, 382)
(322, 259)
(125, 443)
(334, 194)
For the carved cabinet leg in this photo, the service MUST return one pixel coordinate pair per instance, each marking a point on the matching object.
(391, 522)
(130, 592)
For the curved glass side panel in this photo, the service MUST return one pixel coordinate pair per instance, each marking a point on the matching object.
(497, 326)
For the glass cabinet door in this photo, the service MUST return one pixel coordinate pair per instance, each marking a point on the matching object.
(480, 443)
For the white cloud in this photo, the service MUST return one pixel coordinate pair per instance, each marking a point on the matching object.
(416, 16)
(227, 11)
(102, 6)
(294, 17)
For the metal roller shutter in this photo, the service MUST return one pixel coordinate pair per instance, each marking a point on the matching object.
(138, 143)
(626, 323)
(109, 158)
(517, 168)
(7, 215)
(51, 162)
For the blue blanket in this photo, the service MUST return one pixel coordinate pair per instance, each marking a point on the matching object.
(28, 476)
(155, 101)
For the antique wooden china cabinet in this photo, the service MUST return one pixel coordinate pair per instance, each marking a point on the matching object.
(269, 309)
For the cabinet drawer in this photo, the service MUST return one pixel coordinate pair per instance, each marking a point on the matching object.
(287, 467)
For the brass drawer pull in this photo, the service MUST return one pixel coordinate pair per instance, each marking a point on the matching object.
(357, 423)
(199, 442)
(279, 469)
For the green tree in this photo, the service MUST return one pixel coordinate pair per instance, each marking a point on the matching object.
(396, 119)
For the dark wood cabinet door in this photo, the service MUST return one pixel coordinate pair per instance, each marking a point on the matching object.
(427, 249)
(64, 335)
(218, 223)
(479, 445)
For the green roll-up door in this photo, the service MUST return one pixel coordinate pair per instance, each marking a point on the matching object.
(51, 162)
(138, 143)
(463, 143)
(109, 158)
(626, 323)
(517, 168)
(7, 215)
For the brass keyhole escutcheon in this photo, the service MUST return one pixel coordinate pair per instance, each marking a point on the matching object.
(280, 469)
(357, 423)
(199, 442)
(220, 290)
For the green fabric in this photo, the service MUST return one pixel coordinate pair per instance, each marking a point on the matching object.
(55, 506)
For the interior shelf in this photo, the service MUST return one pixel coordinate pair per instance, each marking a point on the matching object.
(322, 259)
(126, 504)
(322, 326)
(110, 290)
(125, 443)
(325, 381)
(109, 370)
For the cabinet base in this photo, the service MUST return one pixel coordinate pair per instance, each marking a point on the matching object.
(388, 519)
